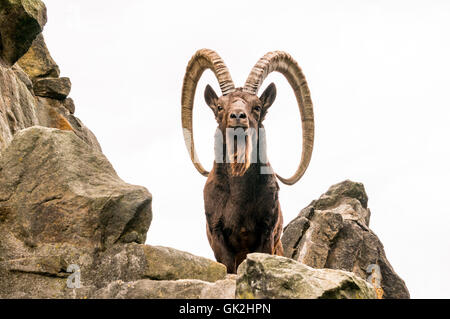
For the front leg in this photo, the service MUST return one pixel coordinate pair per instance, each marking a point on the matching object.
(216, 196)
(271, 228)
(266, 245)
(271, 246)
(220, 248)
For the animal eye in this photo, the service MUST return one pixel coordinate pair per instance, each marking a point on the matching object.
(257, 108)
(219, 108)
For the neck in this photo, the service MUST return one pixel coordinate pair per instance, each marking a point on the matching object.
(246, 181)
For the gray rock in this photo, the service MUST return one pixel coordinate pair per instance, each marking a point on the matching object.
(55, 88)
(19, 109)
(38, 270)
(122, 271)
(264, 276)
(131, 262)
(17, 104)
(37, 62)
(20, 22)
(22, 76)
(170, 263)
(69, 105)
(168, 289)
(62, 203)
(332, 232)
(55, 114)
(54, 188)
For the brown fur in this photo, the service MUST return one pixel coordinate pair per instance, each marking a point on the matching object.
(242, 210)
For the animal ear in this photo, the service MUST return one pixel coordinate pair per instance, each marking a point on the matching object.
(268, 96)
(211, 97)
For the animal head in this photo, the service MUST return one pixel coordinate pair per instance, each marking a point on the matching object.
(239, 116)
(241, 108)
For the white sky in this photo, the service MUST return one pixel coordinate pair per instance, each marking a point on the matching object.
(378, 75)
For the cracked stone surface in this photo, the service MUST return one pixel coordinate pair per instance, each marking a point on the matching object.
(333, 232)
(54, 188)
(264, 276)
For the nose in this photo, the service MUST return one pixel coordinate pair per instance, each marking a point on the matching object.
(240, 115)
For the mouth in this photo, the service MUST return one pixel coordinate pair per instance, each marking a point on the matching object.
(243, 126)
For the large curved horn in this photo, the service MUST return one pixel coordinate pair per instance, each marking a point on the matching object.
(203, 59)
(286, 65)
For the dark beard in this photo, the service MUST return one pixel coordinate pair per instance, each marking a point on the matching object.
(239, 156)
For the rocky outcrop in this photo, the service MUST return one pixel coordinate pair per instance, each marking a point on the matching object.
(57, 114)
(71, 228)
(54, 188)
(37, 62)
(20, 108)
(122, 271)
(55, 88)
(131, 262)
(160, 289)
(64, 212)
(69, 105)
(20, 22)
(332, 232)
(31, 92)
(265, 276)
(62, 204)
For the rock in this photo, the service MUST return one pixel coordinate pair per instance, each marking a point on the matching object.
(55, 88)
(22, 76)
(332, 232)
(130, 262)
(17, 105)
(20, 22)
(123, 270)
(264, 276)
(36, 270)
(37, 62)
(64, 212)
(54, 113)
(54, 188)
(169, 263)
(168, 289)
(20, 285)
(69, 105)
(19, 109)
(62, 204)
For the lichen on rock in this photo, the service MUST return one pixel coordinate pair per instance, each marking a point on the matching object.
(264, 276)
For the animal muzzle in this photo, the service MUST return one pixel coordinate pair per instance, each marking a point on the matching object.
(238, 119)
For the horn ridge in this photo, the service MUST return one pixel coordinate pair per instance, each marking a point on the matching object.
(283, 63)
(203, 59)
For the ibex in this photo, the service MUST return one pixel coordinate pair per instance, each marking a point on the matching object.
(242, 210)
